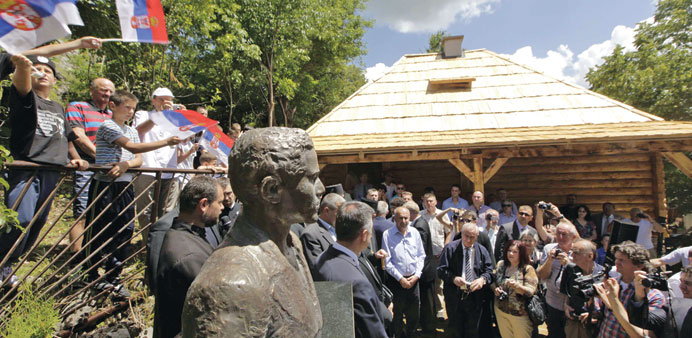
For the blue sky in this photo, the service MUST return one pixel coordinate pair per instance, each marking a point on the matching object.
(561, 37)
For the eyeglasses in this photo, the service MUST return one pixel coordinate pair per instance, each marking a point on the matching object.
(467, 220)
(524, 214)
(399, 188)
(506, 205)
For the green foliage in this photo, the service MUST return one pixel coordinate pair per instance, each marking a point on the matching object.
(33, 317)
(435, 42)
(656, 78)
(240, 58)
(8, 217)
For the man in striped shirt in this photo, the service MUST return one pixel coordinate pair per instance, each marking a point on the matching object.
(85, 118)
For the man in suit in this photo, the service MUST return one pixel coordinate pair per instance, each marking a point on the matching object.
(427, 279)
(317, 237)
(380, 224)
(340, 263)
(604, 219)
(467, 271)
(512, 231)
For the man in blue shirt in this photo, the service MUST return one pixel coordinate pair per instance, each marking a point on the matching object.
(455, 201)
(404, 263)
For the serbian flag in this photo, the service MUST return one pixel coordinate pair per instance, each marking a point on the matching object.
(142, 21)
(182, 123)
(25, 24)
(218, 143)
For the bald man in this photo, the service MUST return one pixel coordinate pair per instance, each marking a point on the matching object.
(85, 118)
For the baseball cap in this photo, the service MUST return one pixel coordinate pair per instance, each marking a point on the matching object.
(162, 91)
(46, 61)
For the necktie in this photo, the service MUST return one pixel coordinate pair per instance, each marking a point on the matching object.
(469, 266)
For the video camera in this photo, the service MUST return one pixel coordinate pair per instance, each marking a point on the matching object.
(582, 287)
(656, 280)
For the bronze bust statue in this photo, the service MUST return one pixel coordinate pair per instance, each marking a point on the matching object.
(257, 283)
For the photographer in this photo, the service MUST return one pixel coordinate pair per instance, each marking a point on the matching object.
(553, 216)
(515, 282)
(631, 260)
(555, 257)
(577, 283)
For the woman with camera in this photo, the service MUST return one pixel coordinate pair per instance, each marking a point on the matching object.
(515, 283)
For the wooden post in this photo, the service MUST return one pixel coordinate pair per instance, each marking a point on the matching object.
(478, 182)
(659, 191)
(680, 161)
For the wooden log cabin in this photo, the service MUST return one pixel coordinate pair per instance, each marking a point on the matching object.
(483, 121)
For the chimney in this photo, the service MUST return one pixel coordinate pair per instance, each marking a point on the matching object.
(451, 47)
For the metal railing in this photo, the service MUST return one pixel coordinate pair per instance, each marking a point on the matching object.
(58, 272)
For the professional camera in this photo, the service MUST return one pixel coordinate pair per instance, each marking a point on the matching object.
(641, 215)
(655, 280)
(544, 206)
(582, 288)
(456, 216)
(503, 295)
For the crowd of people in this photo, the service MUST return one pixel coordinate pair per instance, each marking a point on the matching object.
(103, 130)
(478, 267)
(412, 264)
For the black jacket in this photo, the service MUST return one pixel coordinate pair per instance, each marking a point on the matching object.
(183, 252)
(430, 265)
(335, 265)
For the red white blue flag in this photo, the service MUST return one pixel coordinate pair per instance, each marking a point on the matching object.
(25, 24)
(182, 123)
(218, 143)
(142, 21)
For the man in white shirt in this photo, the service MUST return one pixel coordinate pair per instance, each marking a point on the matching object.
(646, 226)
(682, 256)
(166, 157)
(439, 233)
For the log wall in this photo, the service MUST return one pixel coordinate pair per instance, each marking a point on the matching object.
(628, 180)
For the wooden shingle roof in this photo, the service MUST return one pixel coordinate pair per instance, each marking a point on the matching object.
(508, 104)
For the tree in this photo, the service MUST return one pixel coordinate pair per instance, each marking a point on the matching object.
(657, 78)
(240, 58)
(435, 42)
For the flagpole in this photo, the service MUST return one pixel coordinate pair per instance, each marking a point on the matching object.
(111, 40)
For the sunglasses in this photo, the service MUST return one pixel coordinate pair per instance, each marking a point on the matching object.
(524, 214)
(467, 220)
(506, 205)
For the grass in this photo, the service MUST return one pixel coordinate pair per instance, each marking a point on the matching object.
(140, 315)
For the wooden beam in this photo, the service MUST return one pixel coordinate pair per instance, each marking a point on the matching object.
(463, 168)
(680, 161)
(478, 182)
(493, 168)
(659, 186)
(322, 165)
(639, 147)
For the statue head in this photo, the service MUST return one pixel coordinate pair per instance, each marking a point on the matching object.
(275, 170)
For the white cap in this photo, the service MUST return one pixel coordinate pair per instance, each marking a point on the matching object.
(162, 91)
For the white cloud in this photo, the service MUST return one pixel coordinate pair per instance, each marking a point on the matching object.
(408, 16)
(375, 72)
(561, 63)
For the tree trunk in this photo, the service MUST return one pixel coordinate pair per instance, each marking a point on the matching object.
(288, 113)
(271, 103)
